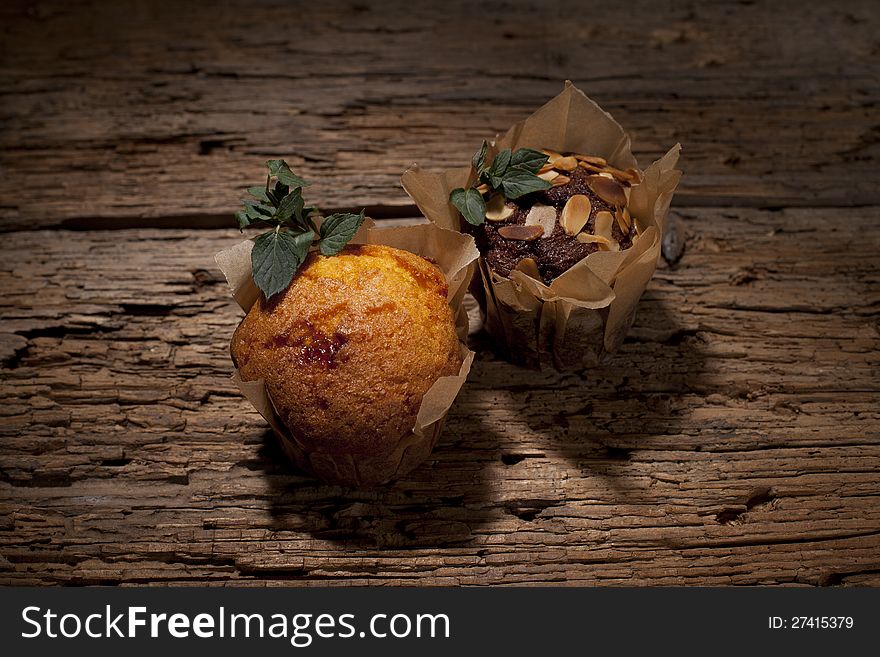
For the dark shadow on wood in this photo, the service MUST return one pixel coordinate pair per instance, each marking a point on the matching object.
(207, 221)
(441, 503)
(632, 394)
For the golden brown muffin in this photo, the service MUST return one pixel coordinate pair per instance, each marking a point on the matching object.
(351, 347)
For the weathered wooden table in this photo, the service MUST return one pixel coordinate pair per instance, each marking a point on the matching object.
(735, 439)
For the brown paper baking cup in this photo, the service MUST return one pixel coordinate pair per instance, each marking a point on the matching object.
(588, 310)
(456, 255)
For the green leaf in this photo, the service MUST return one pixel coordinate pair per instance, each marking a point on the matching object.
(529, 159)
(500, 163)
(470, 203)
(243, 220)
(290, 206)
(257, 211)
(278, 193)
(479, 159)
(280, 170)
(259, 192)
(499, 166)
(256, 218)
(337, 230)
(303, 244)
(275, 258)
(518, 182)
(260, 207)
(274, 261)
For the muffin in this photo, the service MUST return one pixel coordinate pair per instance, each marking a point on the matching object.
(552, 230)
(350, 348)
(559, 284)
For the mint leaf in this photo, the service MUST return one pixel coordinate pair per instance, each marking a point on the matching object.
(514, 173)
(257, 211)
(500, 163)
(274, 260)
(259, 192)
(278, 254)
(279, 192)
(499, 166)
(280, 170)
(529, 159)
(243, 220)
(337, 230)
(303, 243)
(479, 158)
(290, 206)
(518, 182)
(470, 203)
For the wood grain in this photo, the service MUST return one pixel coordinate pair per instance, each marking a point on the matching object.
(733, 439)
(160, 114)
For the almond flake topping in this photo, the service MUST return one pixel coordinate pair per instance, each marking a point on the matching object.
(543, 216)
(521, 233)
(575, 214)
(497, 209)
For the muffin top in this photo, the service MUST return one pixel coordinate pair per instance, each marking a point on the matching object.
(349, 349)
(547, 232)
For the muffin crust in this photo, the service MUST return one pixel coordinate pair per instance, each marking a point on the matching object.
(351, 347)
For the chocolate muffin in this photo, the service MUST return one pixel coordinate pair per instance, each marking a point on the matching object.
(349, 350)
(547, 232)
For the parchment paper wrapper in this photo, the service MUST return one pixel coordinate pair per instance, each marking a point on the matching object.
(455, 254)
(587, 310)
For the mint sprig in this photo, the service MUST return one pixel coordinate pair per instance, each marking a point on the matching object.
(278, 254)
(470, 203)
(511, 173)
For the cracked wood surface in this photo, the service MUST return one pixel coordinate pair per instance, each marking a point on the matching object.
(139, 107)
(734, 439)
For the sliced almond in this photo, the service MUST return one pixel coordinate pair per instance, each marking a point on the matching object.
(560, 180)
(521, 233)
(604, 219)
(497, 209)
(591, 159)
(547, 167)
(607, 174)
(622, 220)
(630, 176)
(611, 246)
(566, 163)
(483, 188)
(552, 155)
(586, 238)
(543, 216)
(590, 166)
(575, 214)
(616, 173)
(549, 176)
(634, 176)
(529, 267)
(609, 191)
